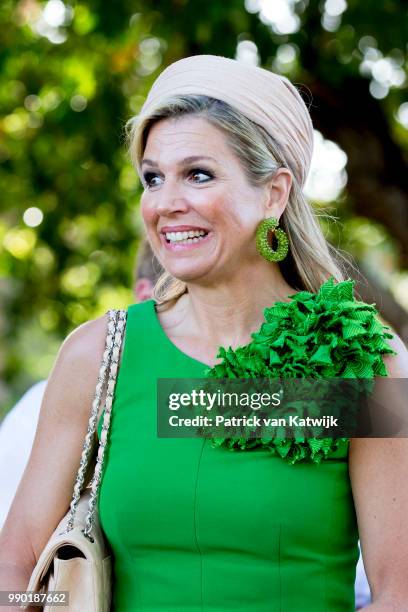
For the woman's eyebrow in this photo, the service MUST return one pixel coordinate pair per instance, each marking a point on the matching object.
(186, 160)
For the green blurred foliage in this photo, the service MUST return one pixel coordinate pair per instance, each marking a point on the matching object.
(71, 75)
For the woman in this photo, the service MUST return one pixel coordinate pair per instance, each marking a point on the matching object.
(220, 147)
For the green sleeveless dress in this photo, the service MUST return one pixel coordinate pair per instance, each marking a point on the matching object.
(195, 528)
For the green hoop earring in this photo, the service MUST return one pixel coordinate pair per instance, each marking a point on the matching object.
(263, 245)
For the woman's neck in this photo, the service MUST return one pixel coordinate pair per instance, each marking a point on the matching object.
(227, 313)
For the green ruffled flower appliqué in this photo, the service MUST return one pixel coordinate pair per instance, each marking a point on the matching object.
(316, 335)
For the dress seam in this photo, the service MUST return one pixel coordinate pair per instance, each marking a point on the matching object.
(195, 526)
(280, 567)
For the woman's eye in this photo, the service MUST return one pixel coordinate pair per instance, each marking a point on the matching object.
(148, 178)
(202, 172)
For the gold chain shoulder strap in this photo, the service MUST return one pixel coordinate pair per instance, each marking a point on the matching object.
(108, 372)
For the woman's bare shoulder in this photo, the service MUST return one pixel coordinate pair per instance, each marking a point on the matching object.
(397, 365)
(87, 338)
(77, 365)
(387, 394)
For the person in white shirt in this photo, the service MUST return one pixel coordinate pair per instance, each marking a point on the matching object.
(17, 433)
(361, 586)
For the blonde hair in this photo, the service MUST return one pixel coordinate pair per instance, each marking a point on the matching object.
(311, 259)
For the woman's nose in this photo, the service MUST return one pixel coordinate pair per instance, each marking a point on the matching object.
(169, 202)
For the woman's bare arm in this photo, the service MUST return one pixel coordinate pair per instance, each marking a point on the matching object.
(378, 472)
(45, 490)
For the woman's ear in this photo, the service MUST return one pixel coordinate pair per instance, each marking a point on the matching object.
(277, 194)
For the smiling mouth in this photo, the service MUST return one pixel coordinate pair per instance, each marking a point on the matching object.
(188, 237)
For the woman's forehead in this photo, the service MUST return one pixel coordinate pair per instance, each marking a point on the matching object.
(185, 143)
(188, 126)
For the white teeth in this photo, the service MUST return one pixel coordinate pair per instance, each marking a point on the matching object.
(185, 237)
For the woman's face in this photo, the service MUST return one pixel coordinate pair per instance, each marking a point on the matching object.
(209, 195)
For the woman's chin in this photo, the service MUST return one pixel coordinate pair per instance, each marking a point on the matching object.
(188, 274)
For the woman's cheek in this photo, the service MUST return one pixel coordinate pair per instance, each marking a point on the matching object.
(148, 214)
(211, 207)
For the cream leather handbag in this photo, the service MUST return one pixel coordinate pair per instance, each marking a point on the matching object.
(77, 558)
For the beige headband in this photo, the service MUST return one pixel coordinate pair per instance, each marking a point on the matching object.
(266, 98)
